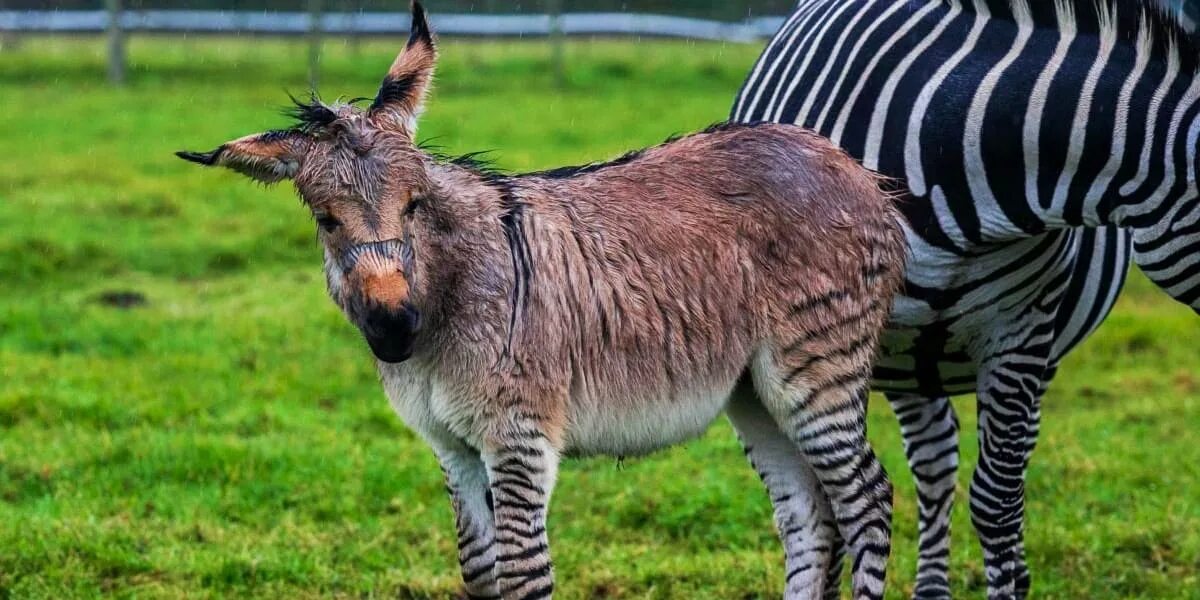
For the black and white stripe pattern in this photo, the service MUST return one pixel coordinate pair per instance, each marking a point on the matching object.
(804, 519)
(467, 484)
(1041, 146)
(521, 476)
(500, 498)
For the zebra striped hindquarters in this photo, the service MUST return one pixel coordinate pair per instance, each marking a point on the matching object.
(1040, 146)
(612, 308)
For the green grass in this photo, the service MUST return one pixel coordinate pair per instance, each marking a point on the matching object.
(229, 437)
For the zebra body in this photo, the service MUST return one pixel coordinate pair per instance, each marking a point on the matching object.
(1040, 147)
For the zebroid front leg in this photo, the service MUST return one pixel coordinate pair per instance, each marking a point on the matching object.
(467, 483)
(522, 467)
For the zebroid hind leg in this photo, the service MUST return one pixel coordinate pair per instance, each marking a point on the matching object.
(806, 526)
(828, 425)
(857, 485)
(930, 430)
(815, 387)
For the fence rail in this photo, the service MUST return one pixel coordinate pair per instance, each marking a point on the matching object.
(117, 21)
(361, 23)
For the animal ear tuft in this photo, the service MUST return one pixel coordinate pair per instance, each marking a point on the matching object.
(203, 158)
(402, 93)
(266, 157)
(419, 32)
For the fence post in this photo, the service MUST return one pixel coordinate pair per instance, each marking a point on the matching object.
(554, 9)
(314, 42)
(7, 38)
(116, 43)
(356, 33)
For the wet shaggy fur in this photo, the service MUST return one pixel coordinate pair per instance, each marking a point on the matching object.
(612, 308)
(621, 309)
(664, 275)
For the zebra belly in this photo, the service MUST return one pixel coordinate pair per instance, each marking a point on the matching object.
(906, 368)
(955, 308)
(1099, 274)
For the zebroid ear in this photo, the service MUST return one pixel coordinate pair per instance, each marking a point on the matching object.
(266, 157)
(402, 94)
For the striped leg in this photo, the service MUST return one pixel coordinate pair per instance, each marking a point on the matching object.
(833, 575)
(815, 386)
(826, 420)
(1021, 570)
(467, 483)
(803, 518)
(930, 430)
(522, 475)
(1009, 416)
(835, 444)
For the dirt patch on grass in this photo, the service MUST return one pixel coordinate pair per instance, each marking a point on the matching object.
(122, 299)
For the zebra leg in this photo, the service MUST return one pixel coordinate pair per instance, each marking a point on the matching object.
(467, 484)
(1009, 416)
(930, 430)
(522, 474)
(803, 518)
(1021, 570)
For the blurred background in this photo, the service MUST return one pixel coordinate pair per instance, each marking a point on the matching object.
(183, 413)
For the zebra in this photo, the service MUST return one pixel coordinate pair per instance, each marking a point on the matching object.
(1041, 146)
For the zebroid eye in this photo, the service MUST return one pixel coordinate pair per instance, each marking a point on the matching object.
(413, 204)
(328, 223)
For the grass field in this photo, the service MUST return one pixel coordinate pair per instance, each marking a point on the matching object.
(183, 413)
